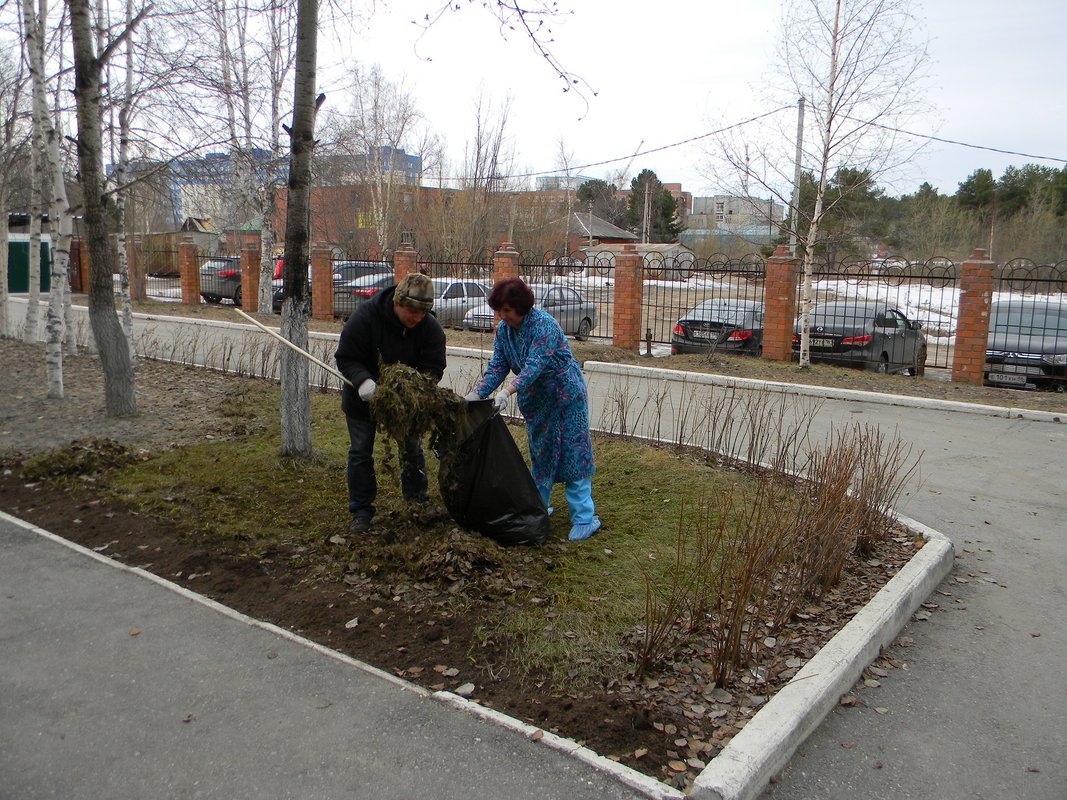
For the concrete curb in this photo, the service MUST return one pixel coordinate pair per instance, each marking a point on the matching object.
(824, 392)
(650, 787)
(768, 741)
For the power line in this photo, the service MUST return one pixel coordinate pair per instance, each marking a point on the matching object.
(958, 143)
(671, 146)
(697, 138)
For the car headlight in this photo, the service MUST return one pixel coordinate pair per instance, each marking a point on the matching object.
(1056, 359)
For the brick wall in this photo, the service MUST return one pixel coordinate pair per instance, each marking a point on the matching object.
(321, 283)
(626, 324)
(250, 276)
(189, 269)
(779, 305)
(972, 324)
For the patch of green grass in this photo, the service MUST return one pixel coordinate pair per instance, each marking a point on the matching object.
(571, 610)
(643, 496)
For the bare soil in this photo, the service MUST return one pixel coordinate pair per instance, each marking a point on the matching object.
(667, 726)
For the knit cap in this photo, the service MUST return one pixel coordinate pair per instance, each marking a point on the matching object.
(415, 290)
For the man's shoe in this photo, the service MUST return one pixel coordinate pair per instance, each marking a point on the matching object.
(360, 523)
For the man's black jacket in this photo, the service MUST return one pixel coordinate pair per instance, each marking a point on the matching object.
(372, 332)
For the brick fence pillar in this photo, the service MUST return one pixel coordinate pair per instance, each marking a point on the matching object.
(779, 305)
(250, 277)
(972, 323)
(626, 321)
(404, 261)
(189, 271)
(135, 269)
(505, 262)
(321, 282)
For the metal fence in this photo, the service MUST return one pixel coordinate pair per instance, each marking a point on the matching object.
(926, 292)
(1027, 344)
(162, 281)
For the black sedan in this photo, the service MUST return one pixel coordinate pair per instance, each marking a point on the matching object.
(720, 325)
(1027, 344)
(864, 335)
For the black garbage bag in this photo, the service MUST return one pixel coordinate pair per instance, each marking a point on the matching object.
(485, 483)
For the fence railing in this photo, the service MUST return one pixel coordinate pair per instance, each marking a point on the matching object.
(927, 291)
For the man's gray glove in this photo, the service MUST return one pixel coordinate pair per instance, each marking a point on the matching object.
(500, 402)
(471, 397)
(366, 390)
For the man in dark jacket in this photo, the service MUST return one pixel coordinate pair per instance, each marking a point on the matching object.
(393, 326)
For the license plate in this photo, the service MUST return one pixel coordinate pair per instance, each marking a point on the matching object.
(824, 343)
(704, 336)
(1019, 369)
(1002, 377)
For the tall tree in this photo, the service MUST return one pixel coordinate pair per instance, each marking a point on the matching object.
(858, 63)
(601, 198)
(295, 397)
(978, 192)
(119, 398)
(60, 219)
(651, 211)
(13, 151)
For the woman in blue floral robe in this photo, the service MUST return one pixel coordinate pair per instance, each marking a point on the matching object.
(552, 398)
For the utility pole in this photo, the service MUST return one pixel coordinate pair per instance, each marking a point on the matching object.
(795, 201)
(644, 222)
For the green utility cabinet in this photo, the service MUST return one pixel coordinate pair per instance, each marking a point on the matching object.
(18, 265)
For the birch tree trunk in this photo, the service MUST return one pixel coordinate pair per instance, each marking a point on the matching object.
(826, 133)
(29, 326)
(59, 217)
(119, 398)
(10, 110)
(120, 193)
(295, 393)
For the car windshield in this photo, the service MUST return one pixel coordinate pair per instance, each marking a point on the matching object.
(845, 316)
(718, 312)
(1030, 319)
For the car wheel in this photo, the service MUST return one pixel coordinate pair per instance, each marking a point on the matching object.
(585, 327)
(237, 297)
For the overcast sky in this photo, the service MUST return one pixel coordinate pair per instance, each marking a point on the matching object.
(671, 71)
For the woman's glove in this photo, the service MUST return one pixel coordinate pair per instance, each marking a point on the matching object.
(366, 390)
(470, 397)
(500, 402)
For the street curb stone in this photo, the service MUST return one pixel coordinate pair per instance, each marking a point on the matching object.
(764, 746)
(824, 392)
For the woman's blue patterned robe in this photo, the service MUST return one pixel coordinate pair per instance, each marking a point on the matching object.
(551, 393)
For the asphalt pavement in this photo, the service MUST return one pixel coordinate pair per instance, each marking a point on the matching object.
(117, 684)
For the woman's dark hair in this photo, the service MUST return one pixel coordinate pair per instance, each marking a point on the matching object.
(511, 292)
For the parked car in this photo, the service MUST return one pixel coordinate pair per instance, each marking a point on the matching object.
(350, 295)
(575, 314)
(220, 278)
(722, 325)
(865, 335)
(454, 298)
(1027, 345)
(345, 271)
